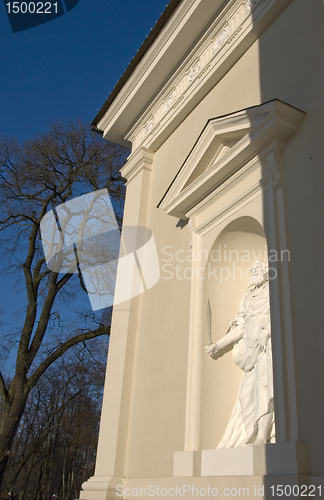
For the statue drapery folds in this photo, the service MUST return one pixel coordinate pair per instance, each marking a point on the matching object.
(252, 418)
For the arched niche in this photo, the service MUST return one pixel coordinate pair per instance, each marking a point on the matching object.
(226, 279)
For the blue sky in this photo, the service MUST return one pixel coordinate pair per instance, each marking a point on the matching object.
(65, 69)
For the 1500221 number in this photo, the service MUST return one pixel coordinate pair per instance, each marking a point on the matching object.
(294, 491)
(31, 7)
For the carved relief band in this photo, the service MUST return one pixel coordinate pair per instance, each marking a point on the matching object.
(238, 19)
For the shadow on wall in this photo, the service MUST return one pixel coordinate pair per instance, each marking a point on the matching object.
(292, 70)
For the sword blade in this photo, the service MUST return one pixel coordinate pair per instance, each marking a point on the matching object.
(209, 322)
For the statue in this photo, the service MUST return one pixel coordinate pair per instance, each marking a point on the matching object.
(252, 418)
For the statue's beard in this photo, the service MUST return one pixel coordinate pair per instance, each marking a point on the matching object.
(256, 281)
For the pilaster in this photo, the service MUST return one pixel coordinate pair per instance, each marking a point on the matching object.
(112, 443)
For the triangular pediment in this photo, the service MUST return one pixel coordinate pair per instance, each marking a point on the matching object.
(224, 145)
(214, 153)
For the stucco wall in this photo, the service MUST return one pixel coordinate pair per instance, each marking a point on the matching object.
(285, 64)
(160, 371)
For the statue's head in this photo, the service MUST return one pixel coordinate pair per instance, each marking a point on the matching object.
(259, 274)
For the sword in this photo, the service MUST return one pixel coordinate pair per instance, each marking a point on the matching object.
(209, 323)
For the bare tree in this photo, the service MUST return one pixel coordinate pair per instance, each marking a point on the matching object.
(54, 449)
(36, 177)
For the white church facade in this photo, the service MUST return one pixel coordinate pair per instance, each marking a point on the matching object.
(214, 376)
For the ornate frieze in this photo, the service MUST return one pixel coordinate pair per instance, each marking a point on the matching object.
(193, 72)
(223, 33)
(149, 126)
(169, 101)
(221, 37)
(250, 4)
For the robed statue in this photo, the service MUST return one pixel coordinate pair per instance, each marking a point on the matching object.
(252, 418)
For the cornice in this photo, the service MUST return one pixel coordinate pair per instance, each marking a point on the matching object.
(130, 86)
(161, 22)
(234, 30)
(170, 44)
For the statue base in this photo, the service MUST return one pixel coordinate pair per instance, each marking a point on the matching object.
(270, 459)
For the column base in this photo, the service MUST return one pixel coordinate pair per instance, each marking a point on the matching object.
(102, 488)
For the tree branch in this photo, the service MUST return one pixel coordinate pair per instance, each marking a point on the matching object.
(82, 337)
(43, 320)
(3, 389)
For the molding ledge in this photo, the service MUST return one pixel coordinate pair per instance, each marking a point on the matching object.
(224, 147)
(142, 159)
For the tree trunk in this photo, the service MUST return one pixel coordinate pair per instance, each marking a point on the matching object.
(11, 414)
